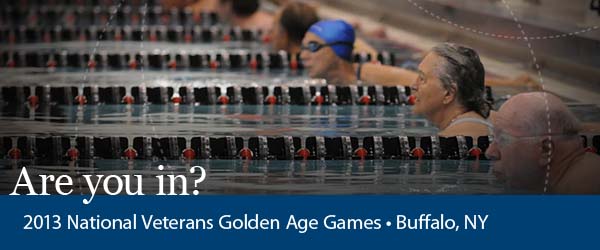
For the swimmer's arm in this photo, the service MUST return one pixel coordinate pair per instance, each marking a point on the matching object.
(204, 6)
(590, 127)
(523, 80)
(498, 82)
(396, 76)
(361, 46)
(386, 75)
(381, 74)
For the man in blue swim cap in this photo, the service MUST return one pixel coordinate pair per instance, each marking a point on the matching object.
(326, 51)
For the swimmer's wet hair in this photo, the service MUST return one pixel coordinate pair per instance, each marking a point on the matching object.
(463, 72)
(243, 8)
(296, 19)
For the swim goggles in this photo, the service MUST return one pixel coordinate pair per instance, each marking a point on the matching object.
(313, 46)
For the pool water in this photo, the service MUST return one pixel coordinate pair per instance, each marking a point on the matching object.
(238, 120)
(250, 176)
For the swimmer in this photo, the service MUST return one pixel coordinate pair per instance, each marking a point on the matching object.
(524, 146)
(245, 14)
(327, 52)
(291, 23)
(344, 72)
(449, 91)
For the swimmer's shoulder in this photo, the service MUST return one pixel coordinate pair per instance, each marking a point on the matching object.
(466, 129)
(582, 178)
(473, 125)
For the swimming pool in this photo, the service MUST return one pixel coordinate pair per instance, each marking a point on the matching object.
(113, 137)
(240, 120)
(79, 99)
(331, 133)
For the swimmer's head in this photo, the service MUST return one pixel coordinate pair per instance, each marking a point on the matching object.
(525, 138)
(228, 9)
(450, 75)
(326, 48)
(337, 35)
(292, 22)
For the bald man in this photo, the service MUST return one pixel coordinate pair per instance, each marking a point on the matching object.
(535, 152)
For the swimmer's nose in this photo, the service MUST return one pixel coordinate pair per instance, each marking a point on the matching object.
(304, 55)
(414, 87)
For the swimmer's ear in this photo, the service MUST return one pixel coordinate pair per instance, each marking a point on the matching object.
(546, 148)
(450, 94)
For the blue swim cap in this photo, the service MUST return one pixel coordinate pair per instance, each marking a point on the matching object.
(334, 31)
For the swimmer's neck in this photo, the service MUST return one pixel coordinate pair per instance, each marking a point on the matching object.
(566, 154)
(342, 74)
(444, 117)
